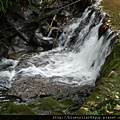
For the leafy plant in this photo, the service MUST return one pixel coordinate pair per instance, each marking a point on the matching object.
(5, 4)
(2, 7)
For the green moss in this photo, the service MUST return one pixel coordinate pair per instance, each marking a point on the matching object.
(13, 109)
(56, 113)
(50, 104)
(113, 61)
(105, 98)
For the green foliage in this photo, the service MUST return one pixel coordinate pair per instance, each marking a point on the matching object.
(96, 112)
(117, 50)
(2, 7)
(5, 4)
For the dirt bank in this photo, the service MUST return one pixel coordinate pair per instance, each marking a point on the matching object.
(112, 7)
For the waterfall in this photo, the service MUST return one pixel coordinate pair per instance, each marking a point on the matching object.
(78, 58)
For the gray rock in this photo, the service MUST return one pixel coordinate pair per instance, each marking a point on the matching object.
(28, 88)
(3, 51)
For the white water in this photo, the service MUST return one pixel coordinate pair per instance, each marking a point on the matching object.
(65, 65)
(7, 72)
(78, 64)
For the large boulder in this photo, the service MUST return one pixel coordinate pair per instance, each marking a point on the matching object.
(28, 88)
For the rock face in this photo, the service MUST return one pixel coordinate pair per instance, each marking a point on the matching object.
(3, 51)
(19, 28)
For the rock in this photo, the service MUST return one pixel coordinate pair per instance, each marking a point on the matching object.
(17, 45)
(37, 40)
(34, 87)
(103, 28)
(13, 109)
(3, 51)
(23, 23)
(49, 105)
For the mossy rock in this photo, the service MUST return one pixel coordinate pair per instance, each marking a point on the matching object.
(52, 105)
(14, 109)
(105, 98)
(113, 61)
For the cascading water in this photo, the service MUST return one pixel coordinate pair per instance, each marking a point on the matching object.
(7, 72)
(76, 64)
(77, 60)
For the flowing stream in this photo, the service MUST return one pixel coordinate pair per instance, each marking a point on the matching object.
(76, 61)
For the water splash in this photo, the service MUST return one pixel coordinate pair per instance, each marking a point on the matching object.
(77, 60)
(75, 63)
(7, 72)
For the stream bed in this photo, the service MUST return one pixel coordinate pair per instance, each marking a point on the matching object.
(75, 62)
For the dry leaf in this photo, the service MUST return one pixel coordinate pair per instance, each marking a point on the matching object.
(109, 112)
(117, 107)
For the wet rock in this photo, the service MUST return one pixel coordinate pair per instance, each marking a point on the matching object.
(30, 88)
(3, 51)
(50, 106)
(38, 40)
(21, 24)
(17, 45)
(103, 28)
(45, 96)
(13, 109)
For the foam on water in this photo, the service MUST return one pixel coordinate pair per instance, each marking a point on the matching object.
(68, 66)
(7, 72)
(76, 64)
